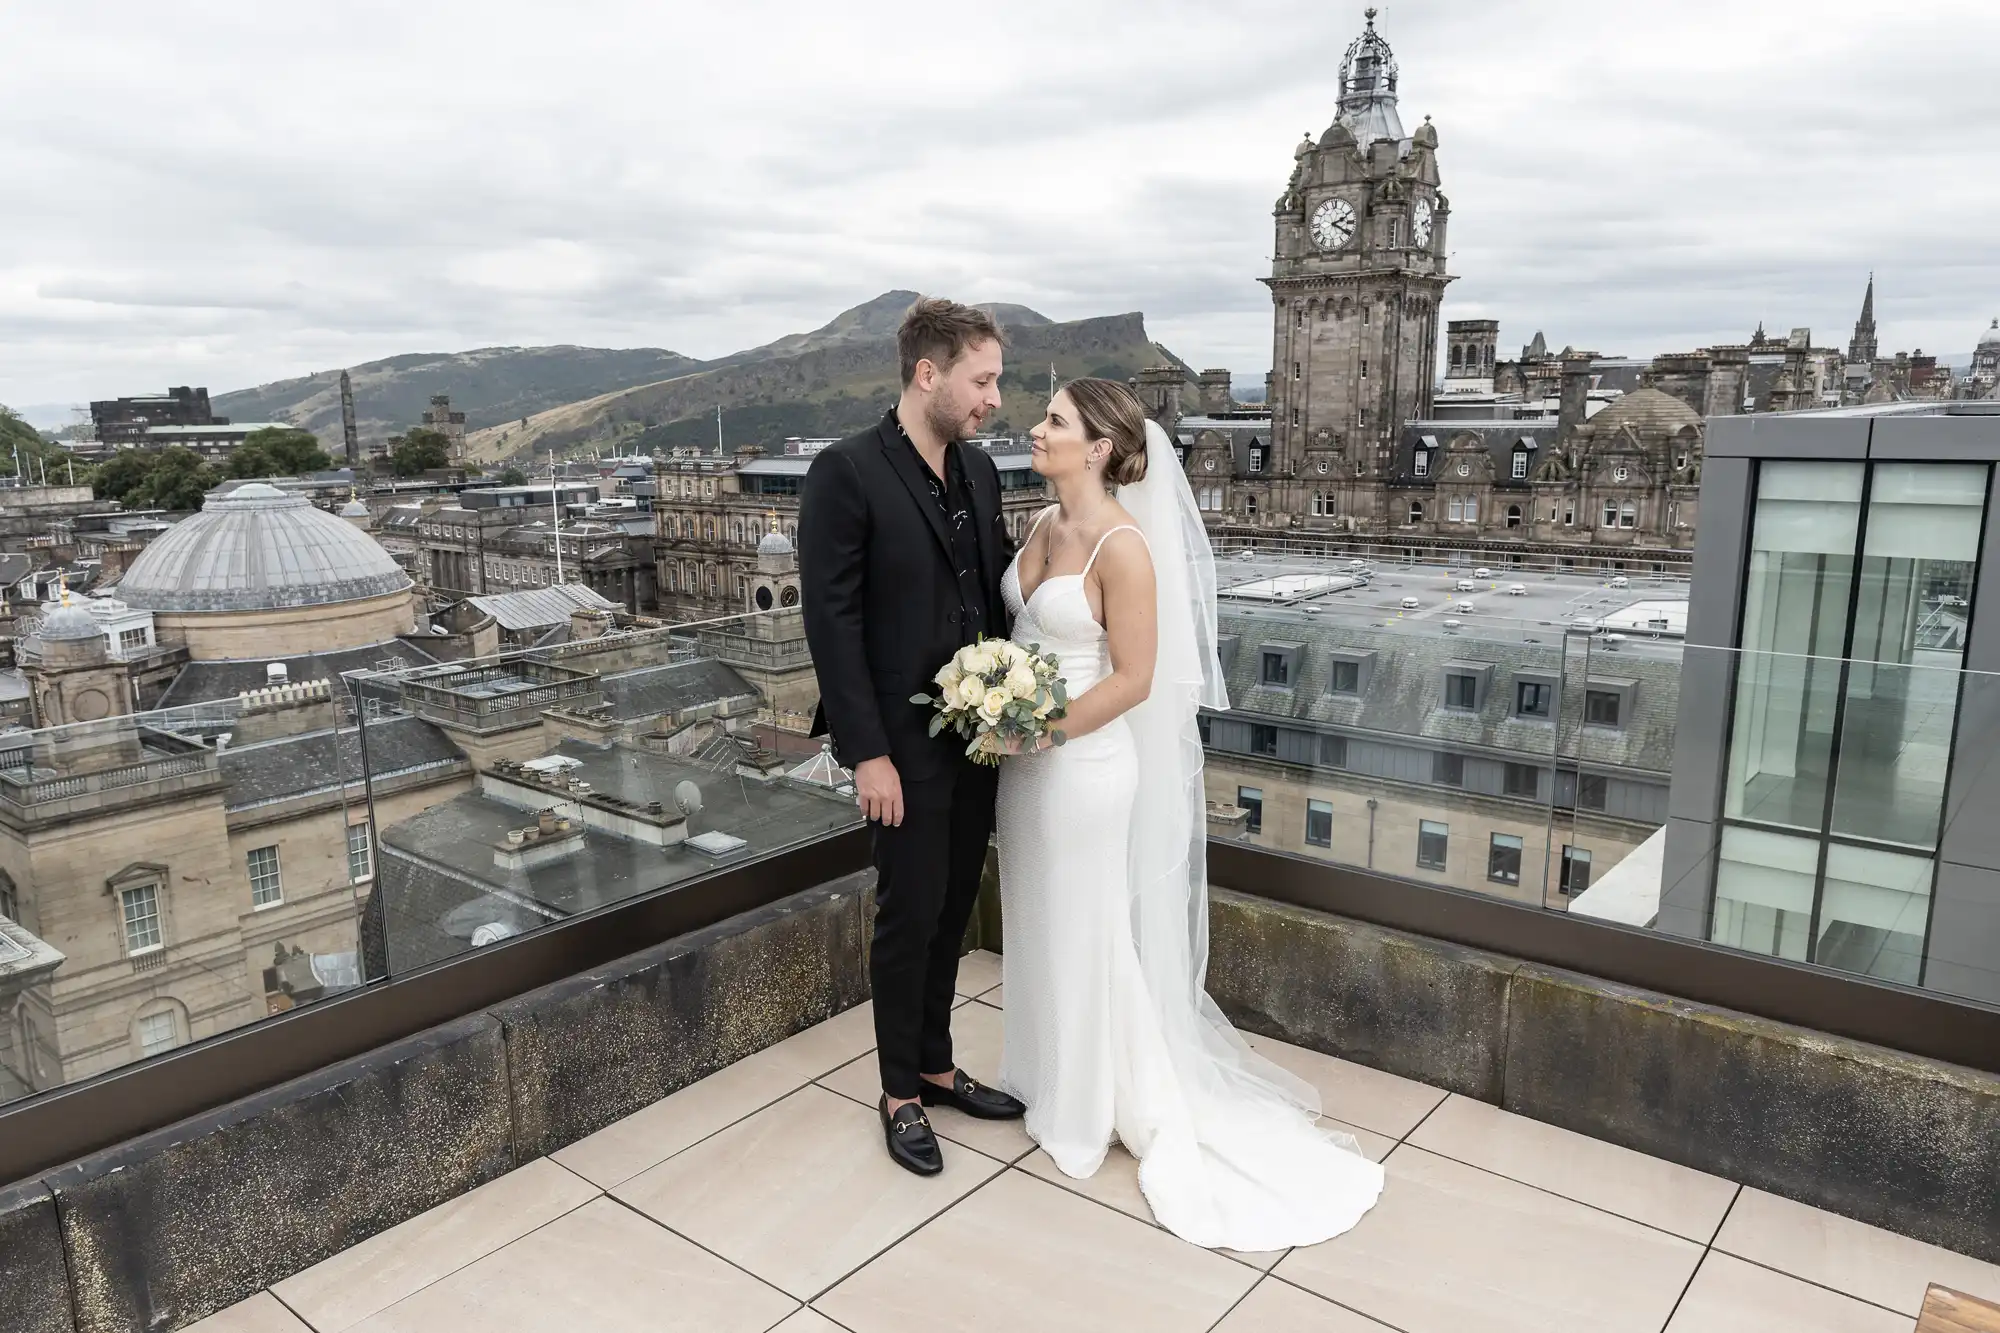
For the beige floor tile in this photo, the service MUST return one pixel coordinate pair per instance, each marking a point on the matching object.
(808, 1320)
(1451, 1247)
(1116, 1184)
(1275, 1307)
(997, 997)
(603, 1268)
(1730, 1296)
(262, 1313)
(975, 1036)
(828, 1046)
(1022, 1254)
(648, 1137)
(1875, 1265)
(1661, 1194)
(1355, 1093)
(800, 1193)
(354, 1284)
(978, 972)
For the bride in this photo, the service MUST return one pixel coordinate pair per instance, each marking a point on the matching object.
(1103, 870)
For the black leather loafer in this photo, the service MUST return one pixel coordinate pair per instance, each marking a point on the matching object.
(911, 1143)
(971, 1097)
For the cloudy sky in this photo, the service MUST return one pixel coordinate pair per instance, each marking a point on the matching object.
(227, 193)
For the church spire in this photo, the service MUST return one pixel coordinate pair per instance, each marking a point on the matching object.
(1861, 349)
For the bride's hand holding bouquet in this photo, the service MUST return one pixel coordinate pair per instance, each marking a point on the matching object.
(1000, 698)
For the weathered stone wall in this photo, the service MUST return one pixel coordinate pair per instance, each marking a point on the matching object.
(1889, 1139)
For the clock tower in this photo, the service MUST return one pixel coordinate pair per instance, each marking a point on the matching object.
(1357, 276)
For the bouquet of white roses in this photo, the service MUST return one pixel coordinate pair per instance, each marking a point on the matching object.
(993, 692)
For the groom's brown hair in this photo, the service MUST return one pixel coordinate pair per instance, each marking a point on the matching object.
(939, 331)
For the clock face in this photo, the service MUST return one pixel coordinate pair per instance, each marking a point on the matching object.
(1322, 467)
(1208, 465)
(1333, 224)
(1420, 224)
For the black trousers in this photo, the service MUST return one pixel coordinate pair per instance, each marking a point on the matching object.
(927, 879)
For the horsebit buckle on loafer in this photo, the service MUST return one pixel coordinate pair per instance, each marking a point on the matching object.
(923, 1120)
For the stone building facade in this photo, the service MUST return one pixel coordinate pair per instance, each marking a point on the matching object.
(713, 514)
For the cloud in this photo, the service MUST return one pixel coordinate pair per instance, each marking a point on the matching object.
(226, 193)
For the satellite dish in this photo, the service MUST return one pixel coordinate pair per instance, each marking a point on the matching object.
(688, 797)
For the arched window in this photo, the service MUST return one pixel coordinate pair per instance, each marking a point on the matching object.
(1489, 358)
(159, 1026)
(735, 532)
(1318, 504)
(673, 579)
(708, 530)
(1457, 357)
(1610, 513)
(1513, 516)
(1250, 505)
(1628, 517)
(792, 532)
(1416, 511)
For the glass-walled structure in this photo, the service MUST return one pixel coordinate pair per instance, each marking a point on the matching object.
(1839, 697)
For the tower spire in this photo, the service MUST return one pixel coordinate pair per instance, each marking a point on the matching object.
(1861, 348)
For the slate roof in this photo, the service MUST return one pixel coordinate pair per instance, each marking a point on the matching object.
(276, 770)
(1499, 437)
(673, 688)
(1404, 692)
(536, 608)
(203, 682)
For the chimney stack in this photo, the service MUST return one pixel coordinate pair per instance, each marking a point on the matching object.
(1575, 398)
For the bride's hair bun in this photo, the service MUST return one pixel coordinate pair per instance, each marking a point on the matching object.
(1107, 410)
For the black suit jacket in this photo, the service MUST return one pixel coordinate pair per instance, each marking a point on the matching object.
(880, 596)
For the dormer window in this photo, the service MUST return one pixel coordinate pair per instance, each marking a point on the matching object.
(1520, 464)
(1423, 467)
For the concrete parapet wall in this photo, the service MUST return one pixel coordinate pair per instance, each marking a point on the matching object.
(170, 1227)
(1890, 1139)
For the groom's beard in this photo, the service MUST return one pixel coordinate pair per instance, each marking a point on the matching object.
(949, 421)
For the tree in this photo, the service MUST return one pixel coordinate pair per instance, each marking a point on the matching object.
(418, 451)
(278, 451)
(512, 476)
(171, 478)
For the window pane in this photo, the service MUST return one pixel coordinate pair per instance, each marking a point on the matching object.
(1431, 841)
(1575, 870)
(1600, 707)
(1263, 740)
(1346, 678)
(1448, 769)
(1531, 699)
(1592, 791)
(1503, 859)
(1276, 671)
(156, 1034)
(1764, 892)
(1460, 691)
(1911, 619)
(1319, 823)
(265, 888)
(1794, 622)
(360, 862)
(1873, 915)
(1522, 780)
(142, 918)
(1333, 751)
(1252, 799)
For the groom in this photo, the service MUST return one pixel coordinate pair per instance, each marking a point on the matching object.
(901, 549)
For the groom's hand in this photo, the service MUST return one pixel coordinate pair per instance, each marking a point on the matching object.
(880, 790)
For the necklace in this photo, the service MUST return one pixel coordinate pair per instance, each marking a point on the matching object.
(1055, 544)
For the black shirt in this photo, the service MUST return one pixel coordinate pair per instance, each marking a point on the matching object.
(953, 495)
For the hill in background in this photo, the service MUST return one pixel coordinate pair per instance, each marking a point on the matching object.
(521, 402)
(490, 385)
(834, 380)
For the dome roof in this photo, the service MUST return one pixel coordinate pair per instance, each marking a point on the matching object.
(775, 543)
(1648, 412)
(70, 621)
(1991, 338)
(258, 548)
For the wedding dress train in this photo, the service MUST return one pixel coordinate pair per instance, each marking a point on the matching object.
(1107, 1030)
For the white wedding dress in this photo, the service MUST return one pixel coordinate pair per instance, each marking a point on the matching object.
(1108, 1032)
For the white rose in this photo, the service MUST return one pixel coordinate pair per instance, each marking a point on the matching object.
(995, 702)
(948, 677)
(971, 691)
(969, 658)
(982, 661)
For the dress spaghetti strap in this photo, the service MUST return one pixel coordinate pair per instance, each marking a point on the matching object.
(1123, 527)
